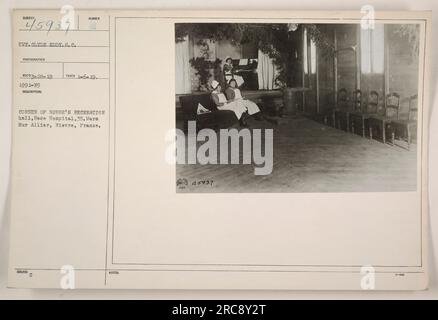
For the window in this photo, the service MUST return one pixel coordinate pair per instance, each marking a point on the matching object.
(312, 48)
(372, 49)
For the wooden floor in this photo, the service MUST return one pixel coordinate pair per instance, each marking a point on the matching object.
(312, 157)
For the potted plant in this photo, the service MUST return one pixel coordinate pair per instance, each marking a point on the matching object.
(283, 47)
(284, 43)
(203, 69)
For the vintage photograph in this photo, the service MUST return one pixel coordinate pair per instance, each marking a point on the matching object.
(220, 150)
(294, 107)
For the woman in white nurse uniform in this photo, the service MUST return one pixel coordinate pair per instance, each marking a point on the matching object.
(221, 101)
(234, 94)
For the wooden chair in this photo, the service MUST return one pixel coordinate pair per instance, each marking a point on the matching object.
(357, 100)
(405, 128)
(357, 112)
(341, 113)
(385, 115)
(359, 118)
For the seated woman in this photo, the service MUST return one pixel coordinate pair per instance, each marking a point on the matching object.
(229, 72)
(233, 94)
(222, 104)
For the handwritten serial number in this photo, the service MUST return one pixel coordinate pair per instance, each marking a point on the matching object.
(48, 25)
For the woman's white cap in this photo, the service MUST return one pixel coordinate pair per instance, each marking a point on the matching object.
(214, 84)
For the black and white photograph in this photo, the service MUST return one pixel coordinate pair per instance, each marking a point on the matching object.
(233, 152)
(292, 107)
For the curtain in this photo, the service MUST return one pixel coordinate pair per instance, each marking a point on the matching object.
(267, 72)
(182, 67)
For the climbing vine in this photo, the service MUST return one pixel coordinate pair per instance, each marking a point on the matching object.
(279, 41)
